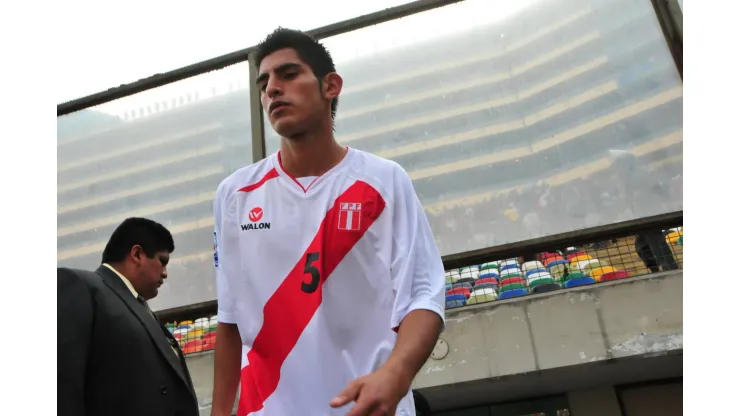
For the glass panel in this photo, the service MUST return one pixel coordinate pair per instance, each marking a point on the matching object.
(187, 34)
(518, 120)
(158, 154)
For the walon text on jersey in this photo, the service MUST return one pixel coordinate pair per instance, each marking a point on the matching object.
(254, 216)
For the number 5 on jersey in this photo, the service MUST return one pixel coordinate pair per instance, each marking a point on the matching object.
(309, 268)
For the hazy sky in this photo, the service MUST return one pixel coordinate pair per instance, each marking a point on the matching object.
(107, 45)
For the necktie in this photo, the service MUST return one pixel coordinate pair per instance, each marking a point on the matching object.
(170, 339)
(148, 309)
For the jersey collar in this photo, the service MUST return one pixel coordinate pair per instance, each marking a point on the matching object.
(293, 182)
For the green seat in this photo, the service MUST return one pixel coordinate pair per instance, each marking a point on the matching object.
(575, 275)
(512, 287)
(542, 281)
(489, 265)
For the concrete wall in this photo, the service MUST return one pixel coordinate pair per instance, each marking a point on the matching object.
(599, 335)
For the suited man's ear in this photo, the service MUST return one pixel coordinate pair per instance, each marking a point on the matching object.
(136, 253)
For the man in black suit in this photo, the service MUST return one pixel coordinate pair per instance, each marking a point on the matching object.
(114, 356)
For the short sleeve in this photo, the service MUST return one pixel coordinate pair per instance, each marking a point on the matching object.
(417, 272)
(223, 259)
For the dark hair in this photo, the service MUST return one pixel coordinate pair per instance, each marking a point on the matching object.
(309, 50)
(152, 236)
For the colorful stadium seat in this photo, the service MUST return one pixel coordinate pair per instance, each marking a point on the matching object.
(619, 274)
(486, 280)
(557, 268)
(597, 272)
(195, 345)
(581, 280)
(512, 283)
(481, 295)
(490, 273)
(548, 287)
(575, 254)
(507, 294)
(460, 283)
(489, 266)
(454, 301)
(482, 285)
(532, 265)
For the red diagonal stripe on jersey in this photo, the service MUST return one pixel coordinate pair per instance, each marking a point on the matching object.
(290, 309)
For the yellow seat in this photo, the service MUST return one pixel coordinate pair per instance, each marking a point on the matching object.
(482, 296)
(596, 272)
(575, 260)
(673, 237)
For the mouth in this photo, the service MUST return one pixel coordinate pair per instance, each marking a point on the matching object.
(161, 282)
(277, 105)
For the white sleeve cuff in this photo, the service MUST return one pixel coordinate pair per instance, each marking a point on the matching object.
(427, 304)
(226, 317)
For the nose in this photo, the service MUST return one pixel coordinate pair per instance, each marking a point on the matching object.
(274, 89)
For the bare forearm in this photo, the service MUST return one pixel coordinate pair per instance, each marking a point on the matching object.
(226, 369)
(417, 336)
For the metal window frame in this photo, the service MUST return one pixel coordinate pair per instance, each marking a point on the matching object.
(670, 19)
(242, 55)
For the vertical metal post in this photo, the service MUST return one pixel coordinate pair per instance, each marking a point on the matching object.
(256, 114)
(670, 18)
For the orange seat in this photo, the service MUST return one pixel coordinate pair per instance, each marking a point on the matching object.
(571, 256)
(190, 347)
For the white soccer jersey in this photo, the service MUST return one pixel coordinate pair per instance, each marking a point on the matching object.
(318, 278)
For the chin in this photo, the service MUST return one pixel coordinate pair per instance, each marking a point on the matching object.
(288, 128)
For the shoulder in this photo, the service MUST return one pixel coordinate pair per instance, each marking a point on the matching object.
(84, 276)
(375, 164)
(245, 179)
(77, 280)
(384, 174)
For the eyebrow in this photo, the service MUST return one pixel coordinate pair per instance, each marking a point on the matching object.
(280, 69)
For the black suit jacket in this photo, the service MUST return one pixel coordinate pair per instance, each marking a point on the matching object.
(113, 357)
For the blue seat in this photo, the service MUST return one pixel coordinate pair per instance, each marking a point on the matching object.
(448, 286)
(555, 263)
(457, 296)
(489, 274)
(579, 281)
(454, 304)
(509, 267)
(506, 294)
(533, 271)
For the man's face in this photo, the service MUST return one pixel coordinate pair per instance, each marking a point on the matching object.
(151, 273)
(290, 94)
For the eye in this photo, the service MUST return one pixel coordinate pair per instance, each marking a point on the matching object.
(290, 75)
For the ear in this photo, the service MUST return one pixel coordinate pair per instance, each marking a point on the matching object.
(332, 86)
(136, 254)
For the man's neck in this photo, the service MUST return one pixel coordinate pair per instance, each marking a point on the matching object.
(312, 155)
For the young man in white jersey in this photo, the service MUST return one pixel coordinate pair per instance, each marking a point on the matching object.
(330, 284)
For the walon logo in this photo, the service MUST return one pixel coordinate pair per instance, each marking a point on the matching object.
(255, 215)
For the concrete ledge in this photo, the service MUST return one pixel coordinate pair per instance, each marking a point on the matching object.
(583, 337)
(558, 329)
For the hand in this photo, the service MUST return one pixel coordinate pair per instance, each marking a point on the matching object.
(376, 394)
